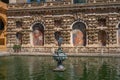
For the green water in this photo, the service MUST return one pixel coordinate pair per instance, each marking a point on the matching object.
(41, 68)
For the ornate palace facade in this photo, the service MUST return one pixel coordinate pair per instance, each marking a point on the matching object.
(3, 24)
(85, 25)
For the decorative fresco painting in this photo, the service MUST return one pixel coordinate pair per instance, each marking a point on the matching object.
(77, 37)
(79, 34)
(38, 35)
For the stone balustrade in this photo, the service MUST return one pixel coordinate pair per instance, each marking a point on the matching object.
(57, 4)
(34, 5)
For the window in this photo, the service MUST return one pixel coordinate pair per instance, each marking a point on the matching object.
(58, 0)
(58, 22)
(2, 41)
(41, 0)
(79, 1)
(35, 1)
(102, 21)
(18, 24)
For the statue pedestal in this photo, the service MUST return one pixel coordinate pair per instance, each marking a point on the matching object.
(59, 56)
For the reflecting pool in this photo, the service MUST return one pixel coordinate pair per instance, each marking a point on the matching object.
(41, 68)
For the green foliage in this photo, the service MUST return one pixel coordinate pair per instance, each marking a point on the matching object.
(17, 48)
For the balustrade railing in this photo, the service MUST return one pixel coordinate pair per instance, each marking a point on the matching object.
(58, 4)
(33, 5)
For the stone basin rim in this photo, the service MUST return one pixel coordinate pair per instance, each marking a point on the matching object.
(69, 55)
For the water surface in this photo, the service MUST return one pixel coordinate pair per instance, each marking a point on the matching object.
(41, 68)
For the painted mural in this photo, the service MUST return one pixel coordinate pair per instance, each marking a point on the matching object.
(38, 36)
(79, 34)
(77, 38)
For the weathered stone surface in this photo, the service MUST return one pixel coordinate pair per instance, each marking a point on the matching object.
(96, 17)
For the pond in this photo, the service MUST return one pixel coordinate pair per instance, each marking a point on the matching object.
(41, 68)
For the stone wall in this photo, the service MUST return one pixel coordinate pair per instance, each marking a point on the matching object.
(96, 17)
(3, 18)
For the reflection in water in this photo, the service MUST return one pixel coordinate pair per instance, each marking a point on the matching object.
(41, 68)
(2, 69)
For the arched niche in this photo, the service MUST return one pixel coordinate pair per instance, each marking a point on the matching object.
(19, 37)
(38, 34)
(102, 37)
(79, 34)
(119, 33)
(57, 34)
(2, 26)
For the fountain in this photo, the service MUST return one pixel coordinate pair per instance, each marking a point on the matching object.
(59, 56)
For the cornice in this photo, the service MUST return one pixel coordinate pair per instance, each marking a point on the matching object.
(62, 7)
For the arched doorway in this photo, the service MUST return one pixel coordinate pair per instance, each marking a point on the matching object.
(79, 34)
(19, 36)
(102, 37)
(38, 34)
